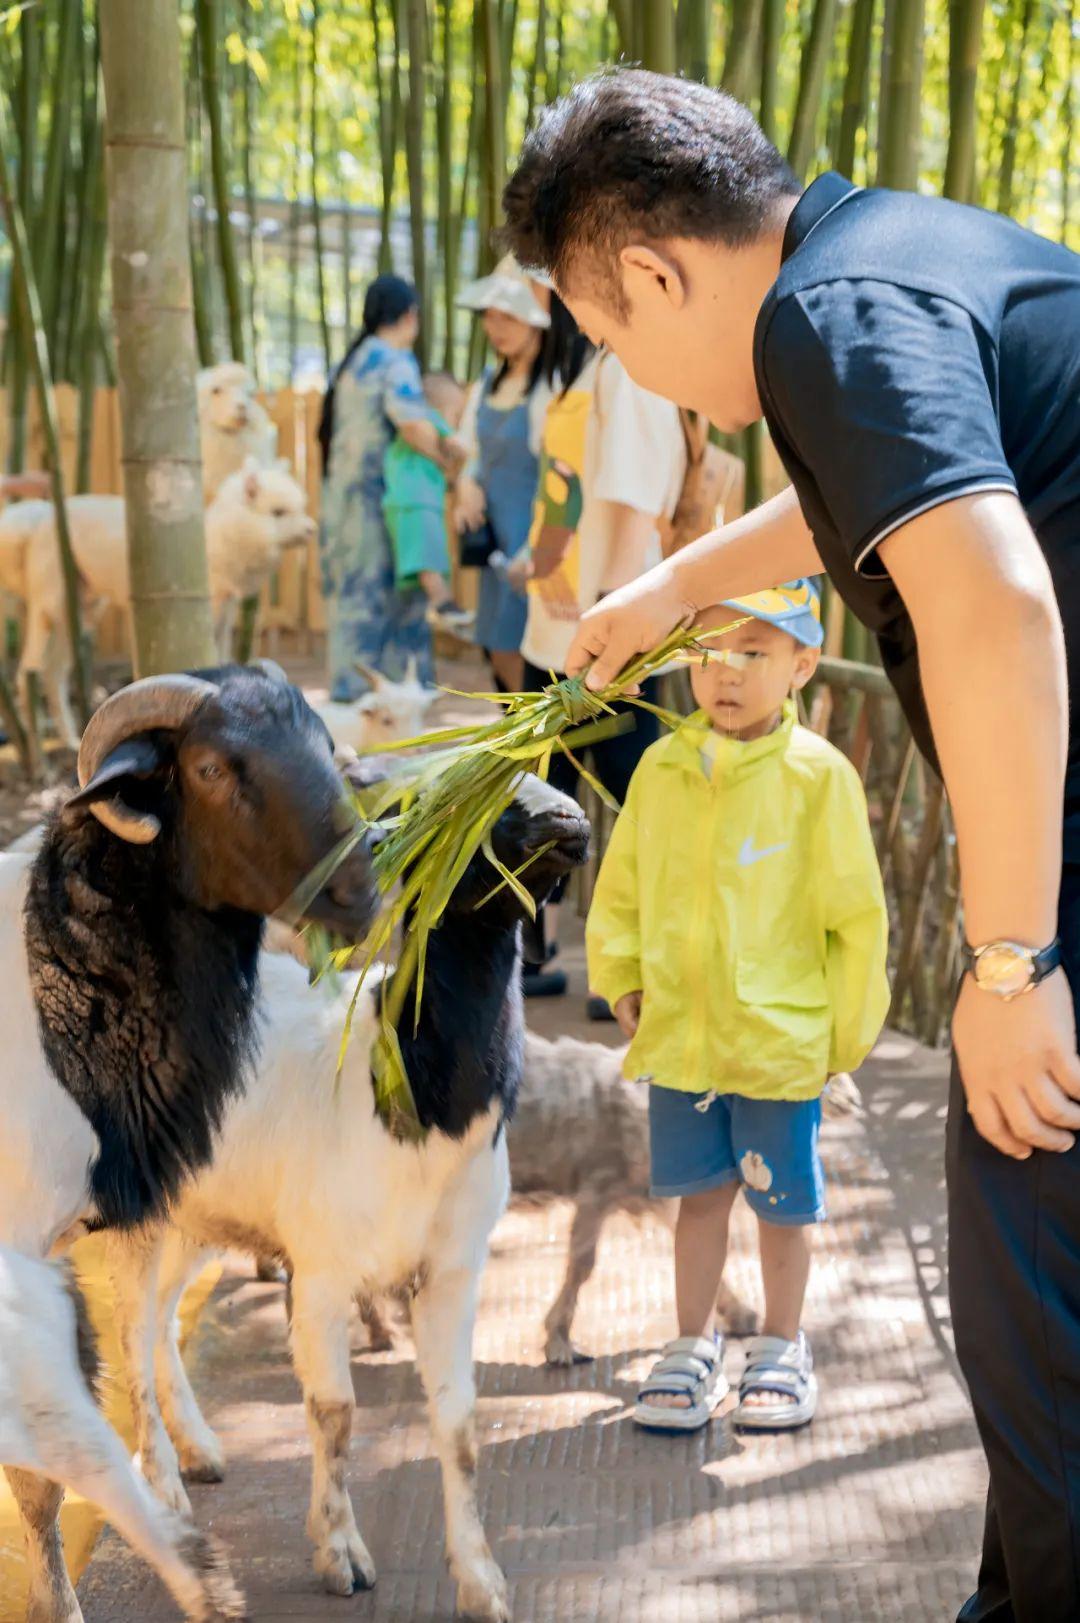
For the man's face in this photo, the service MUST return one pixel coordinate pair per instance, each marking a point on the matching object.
(683, 335)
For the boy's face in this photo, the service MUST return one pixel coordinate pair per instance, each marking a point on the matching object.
(446, 397)
(744, 699)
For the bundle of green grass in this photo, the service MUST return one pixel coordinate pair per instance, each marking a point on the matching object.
(440, 810)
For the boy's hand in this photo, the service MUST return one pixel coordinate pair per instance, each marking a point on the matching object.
(628, 1013)
(470, 506)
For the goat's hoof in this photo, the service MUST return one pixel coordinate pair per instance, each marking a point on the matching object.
(482, 1595)
(738, 1318)
(218, 1598)
(268, 1271)
(202, 1462)
(53, 1607)
(346, 1568)
(560, 1351)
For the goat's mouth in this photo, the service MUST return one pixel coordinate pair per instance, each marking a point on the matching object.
(346, 906)
(562, 847)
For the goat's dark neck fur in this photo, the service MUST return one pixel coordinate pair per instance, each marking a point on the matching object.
(467, 1053)
(145, 1004)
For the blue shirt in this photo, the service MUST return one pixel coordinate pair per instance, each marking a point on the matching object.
(910, 351)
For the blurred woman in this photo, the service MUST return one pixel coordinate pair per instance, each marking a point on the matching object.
(375, 393)
(503, 424)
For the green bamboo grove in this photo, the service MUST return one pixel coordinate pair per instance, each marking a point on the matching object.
(328, 139)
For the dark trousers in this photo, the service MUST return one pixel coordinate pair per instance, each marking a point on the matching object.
(1014, 1272)
(612, 761)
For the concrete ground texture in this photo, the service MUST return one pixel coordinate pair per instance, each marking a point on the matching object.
(874, 1512)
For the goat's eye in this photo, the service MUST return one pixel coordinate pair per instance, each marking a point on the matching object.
(280, 512)
(210, 772)
(216, 389)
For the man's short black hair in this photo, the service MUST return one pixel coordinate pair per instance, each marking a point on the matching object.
(636, 155)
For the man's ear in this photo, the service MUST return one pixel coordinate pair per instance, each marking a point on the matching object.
(659, 269)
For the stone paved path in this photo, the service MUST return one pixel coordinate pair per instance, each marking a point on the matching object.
(873, 1513)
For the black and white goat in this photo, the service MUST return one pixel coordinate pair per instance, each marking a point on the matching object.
(129, 951)
(305, 1170)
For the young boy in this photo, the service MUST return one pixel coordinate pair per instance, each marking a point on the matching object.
(738, 931)
(414, 504)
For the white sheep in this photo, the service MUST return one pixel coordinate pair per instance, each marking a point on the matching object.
(256, 515)
(387, 712)
(306, 1170)
(233, 426)
(129, 949)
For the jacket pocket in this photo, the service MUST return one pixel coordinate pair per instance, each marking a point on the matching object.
(777, 983)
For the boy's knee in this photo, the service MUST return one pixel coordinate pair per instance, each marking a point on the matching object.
(710, 1201)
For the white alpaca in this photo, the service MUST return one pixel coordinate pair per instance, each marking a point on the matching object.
(233, 426)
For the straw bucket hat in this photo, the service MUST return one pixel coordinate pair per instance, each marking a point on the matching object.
(507, 289)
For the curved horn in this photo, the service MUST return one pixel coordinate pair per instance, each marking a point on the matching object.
(155, 701)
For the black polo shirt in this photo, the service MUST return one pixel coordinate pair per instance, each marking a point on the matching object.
(913, 350)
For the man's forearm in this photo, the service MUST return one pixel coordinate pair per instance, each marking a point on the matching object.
(764, 548)
(992, 659)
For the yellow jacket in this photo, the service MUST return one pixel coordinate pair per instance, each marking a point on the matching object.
(748, 908)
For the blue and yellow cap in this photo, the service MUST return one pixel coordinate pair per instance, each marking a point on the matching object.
(794, 607)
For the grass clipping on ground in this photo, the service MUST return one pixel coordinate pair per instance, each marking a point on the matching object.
(435, 815)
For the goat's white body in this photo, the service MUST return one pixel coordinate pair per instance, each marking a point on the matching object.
(47, 1145)
(51, 1432)
(303, 1161)
(244, 544)
(304, 1166)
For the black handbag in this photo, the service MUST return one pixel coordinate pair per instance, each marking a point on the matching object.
(475, 546)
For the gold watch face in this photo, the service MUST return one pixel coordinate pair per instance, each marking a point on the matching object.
(1004, 969)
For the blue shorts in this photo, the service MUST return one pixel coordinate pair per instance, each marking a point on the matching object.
(770, 1146)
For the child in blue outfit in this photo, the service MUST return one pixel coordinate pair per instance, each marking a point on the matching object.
(414, 505)
(738, 930)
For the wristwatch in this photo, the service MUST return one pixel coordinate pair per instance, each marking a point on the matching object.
(1008, 968)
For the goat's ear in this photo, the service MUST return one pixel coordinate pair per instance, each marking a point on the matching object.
(374, 678)
(251, 483)
(134, 758)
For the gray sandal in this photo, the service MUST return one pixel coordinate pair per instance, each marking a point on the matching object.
(785, 1368)
(691, 1367)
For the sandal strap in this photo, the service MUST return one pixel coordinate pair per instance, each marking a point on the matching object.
(776, 1365)
(685, 1365)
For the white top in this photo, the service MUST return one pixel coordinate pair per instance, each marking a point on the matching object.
(606, 443)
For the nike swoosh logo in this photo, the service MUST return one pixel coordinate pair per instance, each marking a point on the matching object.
(748, 856)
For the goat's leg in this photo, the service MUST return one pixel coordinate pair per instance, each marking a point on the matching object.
(589, 1215)
(443, 1315)
(56, 682)
(51, 1427)
(320, 1342)
(380, 1335)
(200, 1454)
(735, 1315)
(50, 1597)
(133, 1263)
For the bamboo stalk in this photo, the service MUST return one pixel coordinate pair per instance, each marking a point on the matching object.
(206, 18)
(899, 137)
(448, 234)
(741, 53)
(539, 62)
(250, 203)
(148, 232)
(18, 734)
(91, 306)
(1068, 122)
(294, 219)
(812, 70)
(415, 121)
(47, 237)
(965, 51)
(772, 33)
(23, 275)
(910, 956)
(695, 20)
(20, 341)
(494, 117)
(658, 35)
(1007, 170)
(316, 208)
